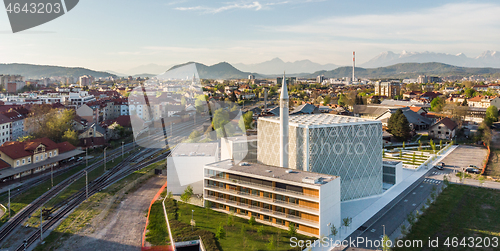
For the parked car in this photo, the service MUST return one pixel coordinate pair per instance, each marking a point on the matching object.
(441, 164)
(439, 167)
(472, 170)
(473, 166)
(71, 159)
(79, 159)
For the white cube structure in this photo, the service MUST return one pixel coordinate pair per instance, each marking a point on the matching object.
(185, 166)
(344, 146)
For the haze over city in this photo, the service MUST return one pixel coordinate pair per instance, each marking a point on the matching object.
(121, 35)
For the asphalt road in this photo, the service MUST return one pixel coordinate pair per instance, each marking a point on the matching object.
(395, 213)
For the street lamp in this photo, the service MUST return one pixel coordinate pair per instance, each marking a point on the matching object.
(192, 219)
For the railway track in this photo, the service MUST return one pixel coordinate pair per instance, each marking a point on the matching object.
(101, 182)
(71, 203)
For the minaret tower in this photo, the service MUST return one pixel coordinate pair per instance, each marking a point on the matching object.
(284, 124)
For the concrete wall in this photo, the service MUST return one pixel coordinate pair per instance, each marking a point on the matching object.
(329, 207)
(186, 170)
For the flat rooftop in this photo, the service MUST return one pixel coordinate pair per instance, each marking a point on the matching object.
(194, 149)
(242, 138)
(390, 162)
(274, 172)
(320, 120)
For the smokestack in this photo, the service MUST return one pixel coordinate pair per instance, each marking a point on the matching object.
(353, 64)
(284, 124)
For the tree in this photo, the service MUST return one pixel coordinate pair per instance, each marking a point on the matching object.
(419, 145)
(491, 115)
(270, 244)
(292, 231)
(413, 158)
(333, 230)
(183, 102)
(251, 221)
(346, 222)
(342, 101)
(194, 136)
(25, 138)
(327, 100)
(398, 126)
(245, 122)
(386, 243)
(45, 121)
(219, 122)
(437, 104)
(188, 192)
(71, 136)
(220, 232)
(469, 93)
(230, 220)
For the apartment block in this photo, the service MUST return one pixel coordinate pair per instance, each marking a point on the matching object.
(274, 196)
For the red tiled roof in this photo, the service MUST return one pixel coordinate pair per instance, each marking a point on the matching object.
(448, 123)
(14, 116)
(4, 119)
(14, 150)
(476, 98)
(65, 147)
(3, 164)
(415, 108)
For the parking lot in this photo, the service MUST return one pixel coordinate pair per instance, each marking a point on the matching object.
(464, 156)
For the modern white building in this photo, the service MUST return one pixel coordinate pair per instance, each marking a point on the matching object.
(5, 129)
(274, 195)
(344, 146)
(239, 148)
(185, 166)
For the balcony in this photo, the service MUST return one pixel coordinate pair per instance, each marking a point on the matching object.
(265, 188)
(260, 210)
(279, 203)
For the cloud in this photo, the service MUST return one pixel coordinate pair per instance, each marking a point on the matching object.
(248, 5)
(448, 23)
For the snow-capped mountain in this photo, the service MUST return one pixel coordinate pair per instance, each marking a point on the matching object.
(277, 66)
(486, 59)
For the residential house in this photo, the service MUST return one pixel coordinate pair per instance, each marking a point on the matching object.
(17, 125)
(5, 129)
(443, 129)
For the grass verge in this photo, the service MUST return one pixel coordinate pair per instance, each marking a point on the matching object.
(459, 211)
(86, 211)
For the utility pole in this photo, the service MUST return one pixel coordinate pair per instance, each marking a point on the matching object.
(86, 185)
(105, 159)
(9, 203)
(122, 149)
(41, 221)
(52, 175)
(86, 157)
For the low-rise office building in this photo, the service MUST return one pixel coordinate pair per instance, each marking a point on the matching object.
(273, 195)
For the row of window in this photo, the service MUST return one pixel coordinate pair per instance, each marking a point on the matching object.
(37, 158)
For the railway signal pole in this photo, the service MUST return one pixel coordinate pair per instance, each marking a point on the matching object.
(105, 159)
(86, 157)
(9, 203)
(41, 221)
(86, 185)
(52, 175)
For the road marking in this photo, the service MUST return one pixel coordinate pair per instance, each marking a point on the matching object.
(406, 200)
(373, 230)
(413, 204)
(414, 193)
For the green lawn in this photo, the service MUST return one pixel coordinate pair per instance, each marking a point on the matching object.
(459, 211)
(239, 235)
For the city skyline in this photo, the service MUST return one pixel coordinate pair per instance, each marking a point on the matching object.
(168, 33)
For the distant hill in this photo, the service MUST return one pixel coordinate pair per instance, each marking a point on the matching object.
(276, 66)
(486, 59)
(411, 70)
(39, 71)
(221, 70)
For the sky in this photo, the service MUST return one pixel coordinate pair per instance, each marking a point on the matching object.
(122, 34)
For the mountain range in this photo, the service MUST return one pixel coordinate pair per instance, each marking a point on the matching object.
(221, 70)
(486, 59)
(277, 66)
(39, 71)
(406, 70)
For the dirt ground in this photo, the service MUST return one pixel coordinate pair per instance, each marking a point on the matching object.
(122, 228)
(493, 168)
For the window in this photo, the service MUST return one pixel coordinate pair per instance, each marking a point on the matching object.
(50, 154)
(17, 163)
(36, 158)
(45, 155)
(29, 159)
(23, 161)
(55, 152)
